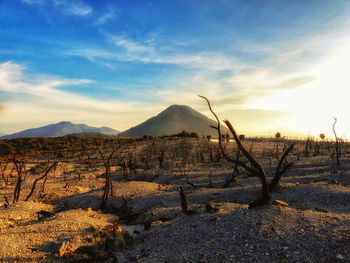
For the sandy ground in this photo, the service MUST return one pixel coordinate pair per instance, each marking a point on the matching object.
(144, 222)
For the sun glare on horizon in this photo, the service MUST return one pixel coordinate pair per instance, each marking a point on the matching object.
(313, 106)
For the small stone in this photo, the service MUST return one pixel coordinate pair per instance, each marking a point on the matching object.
(280, 203)
(333, 181)
(339, 256)
(285, 248)
(320, 209)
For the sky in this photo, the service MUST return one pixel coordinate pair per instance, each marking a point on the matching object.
(265, 65)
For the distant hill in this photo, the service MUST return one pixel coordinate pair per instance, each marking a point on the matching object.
(91, 135)
(2, 134)
(60, 129)
(173, 120)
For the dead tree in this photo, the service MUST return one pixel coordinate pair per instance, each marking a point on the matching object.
(184, 202)
(255, 168)
(3, 170)
(233, 178)
(337, 150)
(108, 190)
(281, 169)
(20, 167)
(40, 178)
(161, 158)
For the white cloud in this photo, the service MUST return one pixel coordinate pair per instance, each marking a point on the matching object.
(111, 14)
(79, 9)
(31, 2)
(129, 45)
(13, 80)
(137, 53)
(148, 52)
(75, 7)
(40, 101)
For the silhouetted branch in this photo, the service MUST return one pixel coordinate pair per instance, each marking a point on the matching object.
(19, 165)
(234, 173)
(191, 184)
(257, 170)
(229, 159)
(280, 170)
(184, 202)
(337, 150)
(40, 178)
(108, 191)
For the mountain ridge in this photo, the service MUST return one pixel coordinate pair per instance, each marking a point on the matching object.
(62, 128)
(173, 120)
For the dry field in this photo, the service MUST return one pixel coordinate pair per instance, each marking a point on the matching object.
(64, 220)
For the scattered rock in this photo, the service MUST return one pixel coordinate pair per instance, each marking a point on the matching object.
(333, 182)
(42, 214)
(340, 256)
(209, 208)
(319, 209)
(67, 248)
(280, 203)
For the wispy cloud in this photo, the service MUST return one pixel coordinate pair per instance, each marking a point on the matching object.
(75, 7)
(33, 98)
(283, 68)
(31, 2)
(13, 80)
(260, 82)
(111, 14)
(130, 45)
(238, 91)
(149, 51)
(147, 55)
(2, 108)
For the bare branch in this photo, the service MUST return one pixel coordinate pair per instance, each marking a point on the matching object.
(218, 122)
(192, 184)
(20, 165)
(241, 147)
(40, 178)
(257, 170)
(336, 142)
(184, 202)
(281, 170)
(99, 151)
(229, 159)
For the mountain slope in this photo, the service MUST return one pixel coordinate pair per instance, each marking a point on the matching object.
(60, 129)
(173, 120)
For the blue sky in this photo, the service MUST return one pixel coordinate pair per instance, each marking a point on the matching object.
(265, 65)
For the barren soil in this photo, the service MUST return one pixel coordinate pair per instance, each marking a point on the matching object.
(144, 222)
